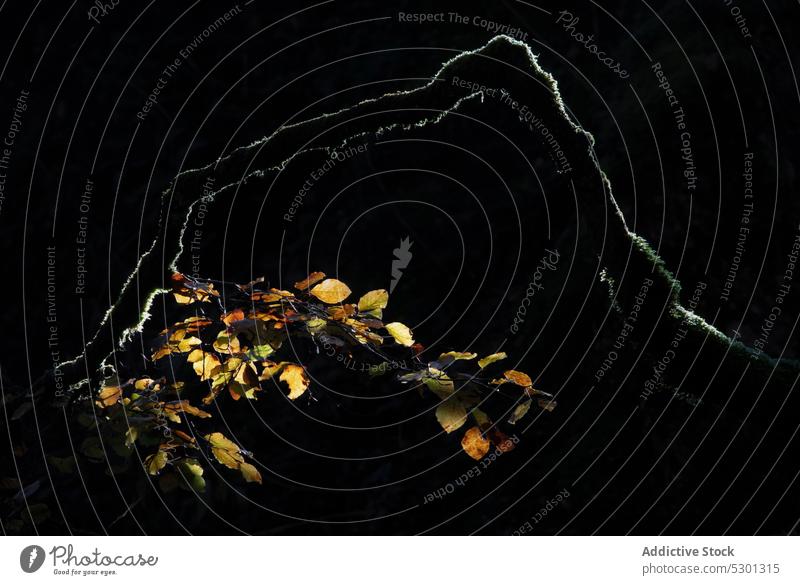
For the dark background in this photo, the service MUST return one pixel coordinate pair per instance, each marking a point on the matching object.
(671, 465)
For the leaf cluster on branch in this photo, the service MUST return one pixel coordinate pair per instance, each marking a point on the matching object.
(237, 343)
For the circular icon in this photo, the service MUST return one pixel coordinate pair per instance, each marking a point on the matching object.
(31, 558)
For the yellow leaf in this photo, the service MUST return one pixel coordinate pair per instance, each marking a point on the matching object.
(225, 451)
(457, 355)
(374, 302)
(245, 383)
(109, 396)
(185, 406)
(490, 359)
(401, 333)
(205, 363)
(228, 453)
(227, 343)
(312, 279)
(295, 376)
(331, 291)
(439, 383)
(474, 444)
(270, 369)
(155, 463)
(250, 473)
(341, 312)
(451, 414)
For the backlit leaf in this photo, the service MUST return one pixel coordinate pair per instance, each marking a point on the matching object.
(312, 279)
(451, 414)
(250, 473)
(401, 333)
(439, 383)
(515, 377)
(295, 376)
(229, 454)
(374, 302)
(155, 463)
(109, 396)
(474, 444)
(331, 291)
(205, 363)
(490, 359)
(192, 472)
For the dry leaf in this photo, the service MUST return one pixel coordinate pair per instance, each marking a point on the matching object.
(312, 279)
(474, 444)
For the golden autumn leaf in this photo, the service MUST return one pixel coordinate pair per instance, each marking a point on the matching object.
(331, 291)
(518, 378)
(227, 343)
(401, 333)
(245, 383)
(295, 376)
(474, 444)
(341, 312)
(187, 290)
(457, 355)
(224, 450)
(446, 359)
(451, 414)
(221, 377)
(156, 462)
(230, 455)
(269, 370)
(177, 344)
(109, 396)
(233, 316)
(186, 406)
(374, 302)
(205, 363)
(143, 384)
(490, 359)
(249, 473)
(312, 279)
(515, 377)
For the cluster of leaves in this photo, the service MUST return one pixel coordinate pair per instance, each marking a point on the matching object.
(232, 343)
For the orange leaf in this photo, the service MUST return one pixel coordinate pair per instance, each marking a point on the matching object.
(312, 279)
(474, 444)
(331, 291)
